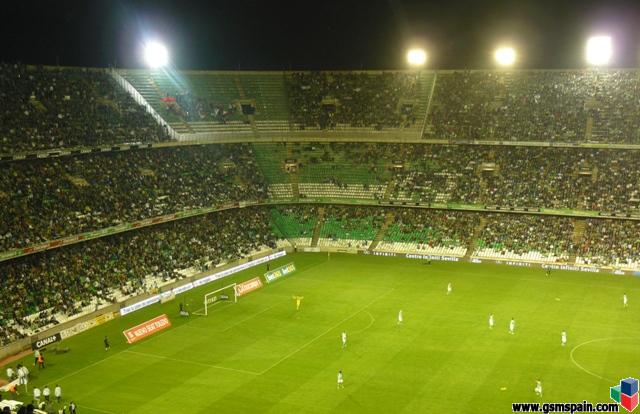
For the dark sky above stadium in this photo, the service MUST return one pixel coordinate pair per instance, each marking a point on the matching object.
(321, 34)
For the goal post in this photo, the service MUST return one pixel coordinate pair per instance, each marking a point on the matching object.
(224, 294)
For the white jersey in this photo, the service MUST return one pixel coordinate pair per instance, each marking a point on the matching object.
(10, 373)
(340, 379)
(449, 288)
(57, 392)
(46, 392)
(538, 388)
(36, 393)
(344, 337)
(400, 316)
(491, 321)
(564, 338)
(625, 301)
(512, 325)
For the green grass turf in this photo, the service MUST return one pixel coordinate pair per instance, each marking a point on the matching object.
(260, 355)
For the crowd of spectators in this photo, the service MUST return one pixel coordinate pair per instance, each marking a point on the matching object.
(45, 108)
(47, 199)
(193, 107)
(342, 222)
(51, 198)
(536, 106)
(520, 234)
(432, 228)
(326, 100)
(611, 242)
(66, 279)
(511, 176)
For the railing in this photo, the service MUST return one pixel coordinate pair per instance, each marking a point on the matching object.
(140, 100)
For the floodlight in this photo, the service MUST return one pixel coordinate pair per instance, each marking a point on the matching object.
(416, 57)
(505, 56)
(599, 50)
(156, 55)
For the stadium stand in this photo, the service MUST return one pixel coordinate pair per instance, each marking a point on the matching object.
(611, 243)
(346, 227)
(51, 198)
(543, 106)
(59, 283)
(429, 232)
(45, 199)
(525, 237)
(49, 108)
(294, 223)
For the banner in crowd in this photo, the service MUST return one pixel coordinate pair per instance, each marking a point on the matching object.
(248, 286)
(83, 326)
(147, 328)
(41, 343)
(279, 272)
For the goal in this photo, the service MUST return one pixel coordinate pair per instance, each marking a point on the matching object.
(224, 294)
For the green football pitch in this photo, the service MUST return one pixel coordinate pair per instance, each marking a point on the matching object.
(261, 355)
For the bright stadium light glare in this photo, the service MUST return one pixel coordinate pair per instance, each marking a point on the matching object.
(416, 57)
(505, 56)
(599, 50)
(156, 55)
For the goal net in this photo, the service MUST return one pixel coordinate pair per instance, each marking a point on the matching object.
(222, 295)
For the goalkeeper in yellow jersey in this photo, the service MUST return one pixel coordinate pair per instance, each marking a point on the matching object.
(298, 300)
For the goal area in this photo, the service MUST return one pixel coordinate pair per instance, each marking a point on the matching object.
(224, 294)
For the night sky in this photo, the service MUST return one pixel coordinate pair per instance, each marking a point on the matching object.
(323, 34)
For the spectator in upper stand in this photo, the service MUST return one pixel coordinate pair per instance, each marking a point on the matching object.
(49, 199)
(329, 100)
(44, 108)
(536, 106)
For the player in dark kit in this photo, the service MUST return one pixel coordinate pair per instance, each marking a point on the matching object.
(106, 344)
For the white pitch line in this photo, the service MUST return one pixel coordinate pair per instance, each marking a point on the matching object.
(186, 361)
(148, 340)
(326, 332)
(368, 326)
(587, 343)
(96, 409)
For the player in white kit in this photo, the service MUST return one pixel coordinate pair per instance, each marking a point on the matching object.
(538, 388)
(512, 326)
(491, 321)
(563, 338)
(625, 301)
(449, 288)
(344, 339)
(400, 317)
(340, 380)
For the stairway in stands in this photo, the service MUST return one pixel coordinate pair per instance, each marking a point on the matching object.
(579, 227)
(388, 192)
(391, 216)
(471, 245)
(316, 231)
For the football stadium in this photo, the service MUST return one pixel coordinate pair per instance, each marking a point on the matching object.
(416, 240)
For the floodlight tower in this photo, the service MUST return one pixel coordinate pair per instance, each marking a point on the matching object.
(156, 55)
(599, 50)
(416, 58)
(505, 56)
